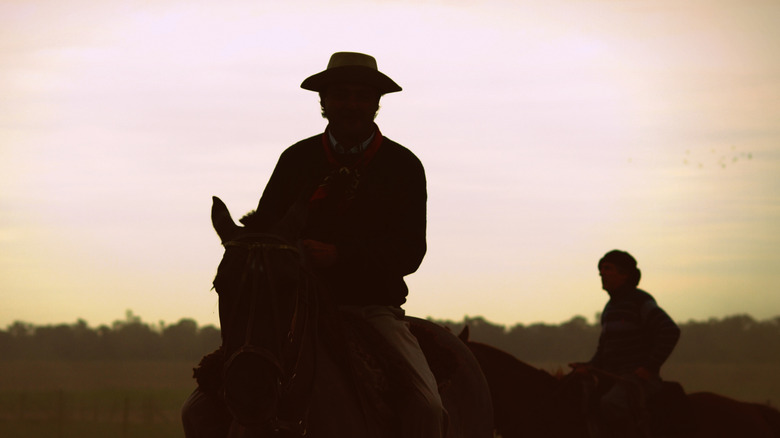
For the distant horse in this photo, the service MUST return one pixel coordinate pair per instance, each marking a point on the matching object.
(294, 366)
(529, 402)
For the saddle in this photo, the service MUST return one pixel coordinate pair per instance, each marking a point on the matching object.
(666, 413)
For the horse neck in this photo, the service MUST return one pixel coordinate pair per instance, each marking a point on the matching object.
(504, 368)
(518, 390)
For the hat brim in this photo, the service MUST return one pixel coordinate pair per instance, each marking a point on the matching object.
(350, 74)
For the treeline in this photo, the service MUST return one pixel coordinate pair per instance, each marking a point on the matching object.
(128, 339)
(733, 339)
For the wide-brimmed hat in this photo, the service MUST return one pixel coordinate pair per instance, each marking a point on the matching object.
(351, 67)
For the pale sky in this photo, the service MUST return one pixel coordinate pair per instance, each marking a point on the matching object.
(551, 132)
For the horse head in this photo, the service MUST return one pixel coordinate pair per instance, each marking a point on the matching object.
(264, 303)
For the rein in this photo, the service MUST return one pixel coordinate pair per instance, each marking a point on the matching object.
(258, 266)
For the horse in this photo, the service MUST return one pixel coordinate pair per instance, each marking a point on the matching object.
(530, 402)
(293, 365)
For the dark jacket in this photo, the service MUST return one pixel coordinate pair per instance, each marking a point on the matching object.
(377, 219)
(635, 333)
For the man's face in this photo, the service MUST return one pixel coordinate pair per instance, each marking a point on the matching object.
(612, 278)
(350, 109)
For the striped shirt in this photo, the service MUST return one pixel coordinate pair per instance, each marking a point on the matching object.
(635, 333)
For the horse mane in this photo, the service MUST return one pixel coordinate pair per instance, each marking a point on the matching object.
(249, 220)
(288, 227)
(508, 361)
(512, 367)
(518, 389)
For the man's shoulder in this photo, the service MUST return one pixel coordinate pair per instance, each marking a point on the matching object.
(307, 143)
(394, 145)
(642, 297)
(398, 151)
(643, 294)
(633, 299)
(646, 303)
(311, 146)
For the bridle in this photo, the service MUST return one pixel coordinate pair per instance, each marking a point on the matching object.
(256, 272)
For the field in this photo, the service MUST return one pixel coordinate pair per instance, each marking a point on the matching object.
(143, 399)
(92, 399)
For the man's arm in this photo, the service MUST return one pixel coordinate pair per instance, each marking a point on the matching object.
(664, 335)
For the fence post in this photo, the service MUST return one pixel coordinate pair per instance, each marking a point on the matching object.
(22, 404)
(60, 413)
(125, 417)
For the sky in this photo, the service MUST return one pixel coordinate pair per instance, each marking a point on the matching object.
(551, 133)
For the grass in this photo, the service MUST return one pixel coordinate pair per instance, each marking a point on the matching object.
(31, 375)
(142, 399)
(93, 399)
(91, 413)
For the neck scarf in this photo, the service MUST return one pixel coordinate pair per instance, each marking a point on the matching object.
(344, 178)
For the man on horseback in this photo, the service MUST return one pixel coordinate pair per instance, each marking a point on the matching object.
(636, 338)
(365, 225)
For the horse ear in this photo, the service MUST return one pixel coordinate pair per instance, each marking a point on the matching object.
(464, 334)
(221, 220)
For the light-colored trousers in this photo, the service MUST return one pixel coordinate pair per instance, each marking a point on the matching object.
(423, 413)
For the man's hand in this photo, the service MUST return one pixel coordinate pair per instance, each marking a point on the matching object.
(320, 254)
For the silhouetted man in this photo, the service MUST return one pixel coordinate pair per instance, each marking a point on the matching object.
(366, 222)
(636, 338)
